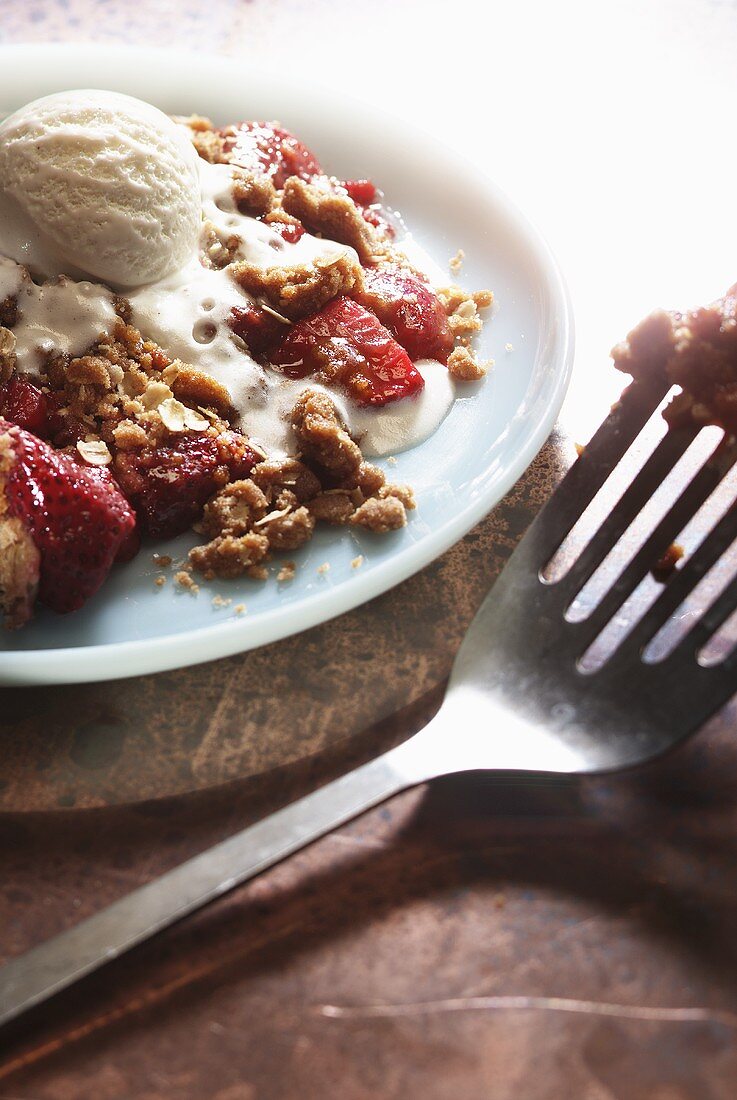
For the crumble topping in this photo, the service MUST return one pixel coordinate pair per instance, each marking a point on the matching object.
(184, 580)
(331, 215)
(95, 452)
(456, 262)
(696, 350)
(287, 572)
(322, 437)
(19, 558)
(7, 354)
(277, 507)
(463, 363)
(300, 290)
(380, 515)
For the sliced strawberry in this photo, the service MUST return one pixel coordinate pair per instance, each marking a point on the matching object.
(76, 516)
(267, 148)
(361, 191)
(260, 330)
(365, 196)
(410, 309)
(24, 404)
(347, 344)
(169, 485)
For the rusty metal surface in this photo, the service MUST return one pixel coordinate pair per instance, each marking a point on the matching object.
(474, 939)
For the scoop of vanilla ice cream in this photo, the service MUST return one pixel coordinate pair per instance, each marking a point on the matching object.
(97, 184)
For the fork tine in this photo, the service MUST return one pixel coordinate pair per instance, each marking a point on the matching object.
(660, 463)
(714, 617)
(684, 508)
(683, 582)
(587, 475)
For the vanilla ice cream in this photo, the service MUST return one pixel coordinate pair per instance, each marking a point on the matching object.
(97, 184)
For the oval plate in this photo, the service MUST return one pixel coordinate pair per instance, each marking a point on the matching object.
(487, 441)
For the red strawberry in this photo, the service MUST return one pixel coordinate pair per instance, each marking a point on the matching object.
(169, 485)
(373, 216)
(289, 231)
(361, 191)
(24, 404)
(348, 345)
(267, 148)
(365, 196)
(410, 309)
(129, 547)
(75, 515)
(260, 330)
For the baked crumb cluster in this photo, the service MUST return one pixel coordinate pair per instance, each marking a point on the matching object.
(697, 351)
(130, 407)
(277, 507)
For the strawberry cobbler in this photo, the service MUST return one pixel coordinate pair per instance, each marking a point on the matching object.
(223, 345)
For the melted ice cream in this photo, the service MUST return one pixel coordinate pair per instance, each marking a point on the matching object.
(260, 244)
(63, 316)
(187, 314)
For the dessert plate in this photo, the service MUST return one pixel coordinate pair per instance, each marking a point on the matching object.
(487, 441)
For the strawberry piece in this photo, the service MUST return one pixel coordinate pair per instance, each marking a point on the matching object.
(361, 191)
(347, 344)
(365, 195)
(260, 330)
(268, 149)
(410, 309)
(374, 217)
(129, 547)
(76, 516)
(289, 231)
(24, 404)
(169, 485)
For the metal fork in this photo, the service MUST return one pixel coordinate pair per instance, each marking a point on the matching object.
(516, 700)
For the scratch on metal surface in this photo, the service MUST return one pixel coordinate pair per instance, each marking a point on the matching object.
(678, 1015)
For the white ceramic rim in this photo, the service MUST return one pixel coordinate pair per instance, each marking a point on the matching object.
(84, 664)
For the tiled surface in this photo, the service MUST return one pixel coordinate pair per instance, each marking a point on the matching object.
(475, 940)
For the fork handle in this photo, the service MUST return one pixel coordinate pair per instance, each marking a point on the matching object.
(59, 962)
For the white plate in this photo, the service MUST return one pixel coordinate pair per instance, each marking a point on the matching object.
(487, 441)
